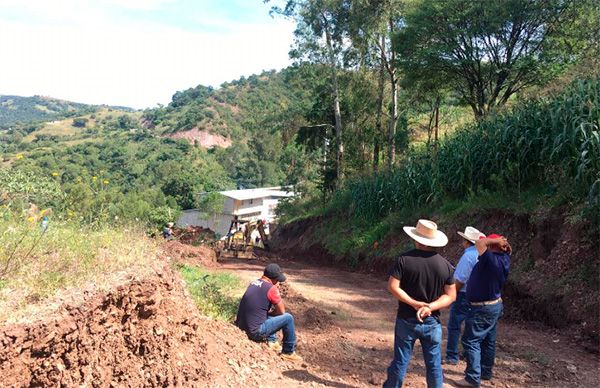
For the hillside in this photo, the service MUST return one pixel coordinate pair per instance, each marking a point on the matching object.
(113, 163)
(24, 110)
(237, 109)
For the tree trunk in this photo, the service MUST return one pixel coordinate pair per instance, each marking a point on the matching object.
(394, 107)
(430, 125)
(378, 123)
(437, 121)
(336, 108)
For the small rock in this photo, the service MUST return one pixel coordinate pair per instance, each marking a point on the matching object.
(375, 380)
(572, 368)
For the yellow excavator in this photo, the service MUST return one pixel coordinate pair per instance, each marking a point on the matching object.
(239, 242)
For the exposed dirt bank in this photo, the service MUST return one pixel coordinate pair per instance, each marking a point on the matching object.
(554, 271)
(203, 138)
(145, 332)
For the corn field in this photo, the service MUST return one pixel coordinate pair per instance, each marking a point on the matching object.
(555, 142)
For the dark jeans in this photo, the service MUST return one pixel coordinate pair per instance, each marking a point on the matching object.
(479, 341)
(269, 328)
(458, 313)
(429, 333)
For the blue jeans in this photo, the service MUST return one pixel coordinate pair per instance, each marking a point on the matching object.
(479, 342)
(407, 332)
(458, 313)
(269, 328)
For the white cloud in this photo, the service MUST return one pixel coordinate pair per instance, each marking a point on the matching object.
(83, 55)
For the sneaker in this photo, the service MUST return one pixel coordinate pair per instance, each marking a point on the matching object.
(486, 377)
(291, 357)
(450, 362)
(276, 346)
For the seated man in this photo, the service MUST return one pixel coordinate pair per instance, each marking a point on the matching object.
(262, 313)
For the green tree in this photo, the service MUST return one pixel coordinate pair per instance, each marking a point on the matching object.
(321, 38)
(80, 122)
(487, 50)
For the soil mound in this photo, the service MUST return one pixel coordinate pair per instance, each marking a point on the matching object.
(143, 333)
(194, 235)
(190, 255)
(306, 315)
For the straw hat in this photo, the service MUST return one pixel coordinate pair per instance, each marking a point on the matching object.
(427, 233)
(471, 234)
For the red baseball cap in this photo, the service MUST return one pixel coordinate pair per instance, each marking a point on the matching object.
(494, 235)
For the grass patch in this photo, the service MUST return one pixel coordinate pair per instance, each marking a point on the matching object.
(538, 358)
(212, 291)
(36, 265)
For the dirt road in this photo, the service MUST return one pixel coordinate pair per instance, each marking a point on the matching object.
(345, 328)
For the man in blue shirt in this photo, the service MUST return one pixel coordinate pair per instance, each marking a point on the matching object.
(460, 308)
(484, 295)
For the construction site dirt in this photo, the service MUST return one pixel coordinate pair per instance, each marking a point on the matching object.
(147, 332)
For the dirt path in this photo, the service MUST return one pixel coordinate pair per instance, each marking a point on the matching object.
(345, 328)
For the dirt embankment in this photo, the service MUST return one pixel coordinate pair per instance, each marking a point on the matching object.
(202, 138)
(146, 332)
(554, 270)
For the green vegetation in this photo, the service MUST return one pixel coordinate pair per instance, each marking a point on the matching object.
(212, 291)
(383, 61)
(555, 141)
(545, 151)
(129, 177)
(36, 264)
(16, 110)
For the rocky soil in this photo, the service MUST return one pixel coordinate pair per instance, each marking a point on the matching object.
(145, 332)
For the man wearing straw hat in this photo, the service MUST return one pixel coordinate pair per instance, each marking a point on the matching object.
(460, 307)
(422, 281)
(484, 295)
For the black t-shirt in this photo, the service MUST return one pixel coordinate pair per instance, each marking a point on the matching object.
(422, 276)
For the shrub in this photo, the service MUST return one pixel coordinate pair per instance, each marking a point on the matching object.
(80, 122)
(211, 292)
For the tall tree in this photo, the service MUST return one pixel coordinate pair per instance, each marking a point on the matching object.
(320, 38)
(488, 50)
(374, 23)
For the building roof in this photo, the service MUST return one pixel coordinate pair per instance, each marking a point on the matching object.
(257, 193)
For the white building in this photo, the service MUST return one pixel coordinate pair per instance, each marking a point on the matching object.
(250, 204)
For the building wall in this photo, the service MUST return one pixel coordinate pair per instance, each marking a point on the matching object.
(254, 209)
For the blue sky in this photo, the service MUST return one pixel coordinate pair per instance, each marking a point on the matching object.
(134, 52)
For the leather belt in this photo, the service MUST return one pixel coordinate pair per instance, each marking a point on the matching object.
(487, 302)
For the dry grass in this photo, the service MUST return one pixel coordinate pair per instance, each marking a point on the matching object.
(451, 119)
(45, 269)
(64, 128)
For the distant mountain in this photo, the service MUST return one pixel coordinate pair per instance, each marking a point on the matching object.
(22, 110)
(240, 134)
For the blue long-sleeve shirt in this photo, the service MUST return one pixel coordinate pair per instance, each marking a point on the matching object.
(465, 265)
(488, 276)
